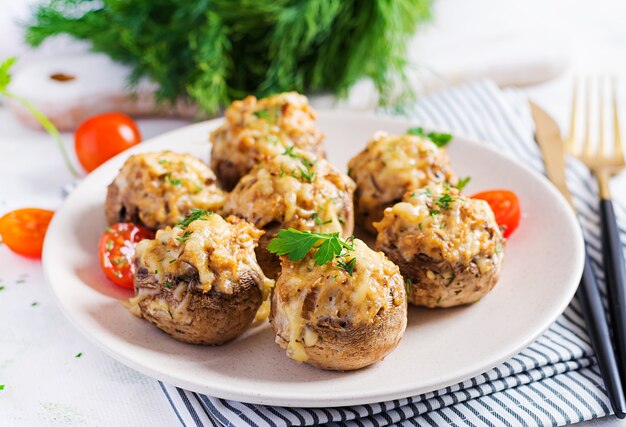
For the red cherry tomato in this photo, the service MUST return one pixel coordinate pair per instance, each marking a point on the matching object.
(505, 206)
(103, 136)
(23, 230)
(116, 250)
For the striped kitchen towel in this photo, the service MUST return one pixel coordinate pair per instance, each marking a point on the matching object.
(555, 381)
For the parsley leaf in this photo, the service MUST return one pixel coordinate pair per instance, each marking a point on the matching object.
(185, 236)
(296, 244)
(440, 139)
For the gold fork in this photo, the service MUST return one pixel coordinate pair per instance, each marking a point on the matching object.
(604, 165)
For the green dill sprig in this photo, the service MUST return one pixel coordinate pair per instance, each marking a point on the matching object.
(440, 139)
(194, 215)
(5, 79)
(296, 244)
(216, 51)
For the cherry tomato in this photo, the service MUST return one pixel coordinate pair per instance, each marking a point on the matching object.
(505, 206)
(116, 250)
(23, 230)
(103, 136)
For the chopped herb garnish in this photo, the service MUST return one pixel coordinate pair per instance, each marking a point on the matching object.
(171, 180)
(427, 191)
(341, 220)
(163, 161)
(168, 284)
(282, 171)
(463, 182)
(185, 236)
(434, 212)
(194, 215)
(108, 230)
(109, 246)
(79, 355)
(498, 248)
(2, 288)
(348, 267)
(34, 304)
(119, 261)
(318, 220)
(296, 244)
(451, 278)
(419, 226)
(307, 174)
(1, 387)
(309, 269)
(271, 114)
(156, 271)
(439, 299)
(444, 201)
(440, 139)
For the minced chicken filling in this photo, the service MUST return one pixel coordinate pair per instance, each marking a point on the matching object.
(310, 293)
(442, 224)
(165, 186)
(295, 189)
(256, 128)
(221, 250)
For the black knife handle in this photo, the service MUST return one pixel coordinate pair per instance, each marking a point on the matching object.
(615, 280)
(595, 318)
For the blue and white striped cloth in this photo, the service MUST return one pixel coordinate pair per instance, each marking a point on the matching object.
(555, 381)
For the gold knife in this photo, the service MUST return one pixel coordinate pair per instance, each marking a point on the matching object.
(552, 147)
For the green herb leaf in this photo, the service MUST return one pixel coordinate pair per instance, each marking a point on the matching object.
(1, 387)
(185, 236)
(194, 215)
(348, 267)
(79, 355)
(463, 182)
(168, 284)
(445, 201)
(440, 139)
(296, 244)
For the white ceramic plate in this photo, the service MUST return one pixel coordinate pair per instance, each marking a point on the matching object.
(542, 266)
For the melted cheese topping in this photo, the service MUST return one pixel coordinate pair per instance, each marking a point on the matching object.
(311, 295)
(284, 190)
(391, 165)
(441, 223)
(165, 186)
(254, 129)
(219, 250)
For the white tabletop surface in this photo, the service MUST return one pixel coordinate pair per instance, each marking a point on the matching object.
(468, 39)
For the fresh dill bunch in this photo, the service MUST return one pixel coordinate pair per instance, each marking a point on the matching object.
(215, 51)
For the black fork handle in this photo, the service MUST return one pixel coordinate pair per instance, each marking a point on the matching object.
(595, 318)
(615, 280)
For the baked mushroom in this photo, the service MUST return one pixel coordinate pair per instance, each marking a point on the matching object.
(199, 281)
(292, 190)
(254, 129)
(449, 247)
(343, 315)
(158, 189)
(390, 166)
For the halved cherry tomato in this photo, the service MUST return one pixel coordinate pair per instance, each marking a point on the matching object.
(116, 250)
(505, 206)
(103, 136)
(23, 230)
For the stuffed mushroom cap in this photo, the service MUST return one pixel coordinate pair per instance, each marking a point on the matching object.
(390, 166)
(449, 247)
(254, 129)
(160, 188)
(293, 190)
(339, 316)
(199, 281)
